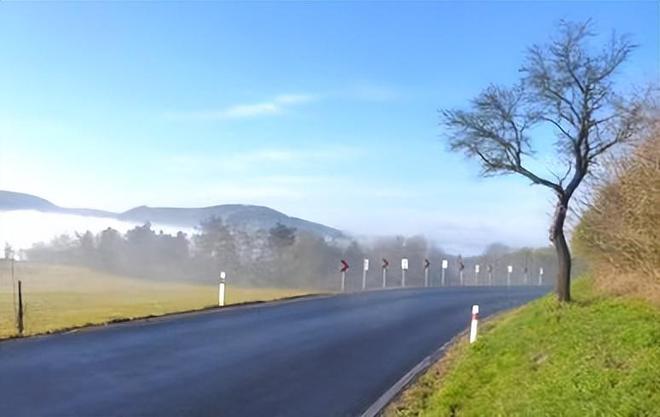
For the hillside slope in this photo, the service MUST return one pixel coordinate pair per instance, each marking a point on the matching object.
(10, 200)
(246, 217)
(598, 356)
(241, 216)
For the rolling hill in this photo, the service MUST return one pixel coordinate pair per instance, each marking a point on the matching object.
(240, 216)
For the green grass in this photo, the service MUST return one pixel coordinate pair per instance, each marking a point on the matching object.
(598, 356)
(59, 297)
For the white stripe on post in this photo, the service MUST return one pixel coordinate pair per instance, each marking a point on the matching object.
(473, 324)
(221, 290)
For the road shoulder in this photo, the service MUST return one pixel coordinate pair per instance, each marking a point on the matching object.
(597, 356)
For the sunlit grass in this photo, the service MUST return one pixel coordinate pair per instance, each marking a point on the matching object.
(59, 297)
(598, 356)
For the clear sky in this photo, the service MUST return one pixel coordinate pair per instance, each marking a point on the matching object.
(325, 111)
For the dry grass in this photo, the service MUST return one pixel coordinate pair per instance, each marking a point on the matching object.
(59, 297)
(620, 231)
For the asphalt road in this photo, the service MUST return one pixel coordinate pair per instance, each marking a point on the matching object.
(316, 357)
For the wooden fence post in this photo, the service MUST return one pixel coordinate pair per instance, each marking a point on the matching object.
(19, 321)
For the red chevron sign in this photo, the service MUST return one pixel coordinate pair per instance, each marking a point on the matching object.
(344, 266)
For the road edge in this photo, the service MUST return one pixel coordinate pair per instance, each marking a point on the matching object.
(406, 381)
(196, 311)
(409, 378)
(167, 316)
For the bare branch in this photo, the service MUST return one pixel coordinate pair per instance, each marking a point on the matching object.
(566, 86)
(559, 127)
(495, 133)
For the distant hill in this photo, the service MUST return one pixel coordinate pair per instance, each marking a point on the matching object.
(18, 201)
(240, 216)
(10, 200)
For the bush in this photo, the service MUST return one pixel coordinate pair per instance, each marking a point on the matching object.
(619, 232)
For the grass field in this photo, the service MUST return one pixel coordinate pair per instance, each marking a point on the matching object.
(599, 356)
(58, 297)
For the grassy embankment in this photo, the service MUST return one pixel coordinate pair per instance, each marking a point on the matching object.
(59, 297)
(599, 356)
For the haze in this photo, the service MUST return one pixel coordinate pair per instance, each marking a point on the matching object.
(318, 113)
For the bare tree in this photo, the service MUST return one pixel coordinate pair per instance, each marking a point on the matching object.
(568, 87)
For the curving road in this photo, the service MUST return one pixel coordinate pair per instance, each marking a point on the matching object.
(313, 357)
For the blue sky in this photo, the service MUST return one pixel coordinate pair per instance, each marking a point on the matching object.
(326, 111)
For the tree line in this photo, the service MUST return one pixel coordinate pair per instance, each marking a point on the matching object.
(283, 257)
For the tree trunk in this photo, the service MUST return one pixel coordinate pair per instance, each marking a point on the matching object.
(563, 283)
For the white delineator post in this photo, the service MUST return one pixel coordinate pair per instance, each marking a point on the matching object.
(474, 323)
(445, 264)
(364, 274)
(541, 276)
(404, 268)
(476, 274)
(508, 275)
(221, 289)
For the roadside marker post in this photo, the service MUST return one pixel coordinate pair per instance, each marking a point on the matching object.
(508, 275)
(427, 264)
(476, 274)
(385, 265)
(344, 268)
(221, 289)
(461, 267)
(445, 264)
(365, 268)
(404, 268)
(490, 274)
(540, 276)
(473, 323)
